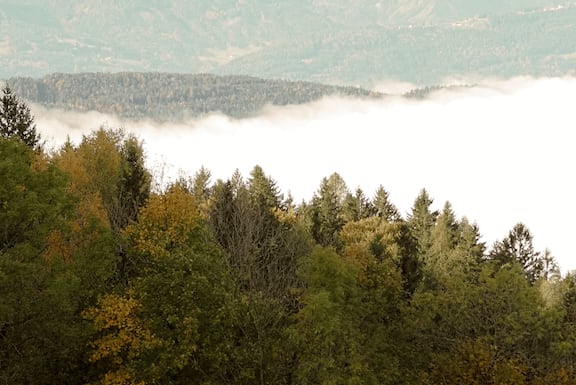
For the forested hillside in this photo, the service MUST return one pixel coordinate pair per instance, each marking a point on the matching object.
(358, 43)
(170, 97)
(107, 278)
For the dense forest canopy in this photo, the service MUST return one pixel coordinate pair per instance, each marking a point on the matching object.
(107, 278)
(171, 97)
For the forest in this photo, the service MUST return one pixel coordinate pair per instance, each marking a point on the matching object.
(171, 97)
(107, 277)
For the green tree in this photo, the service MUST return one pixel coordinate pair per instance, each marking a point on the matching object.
(134, 182)
(357, 206)
(326, 334)
(326, 211)
(173, 323)
(384, 208)
(375, 247)
(499, 310)
(438, 261)
(16, 121)
(33, 200)
(469, 240)
(38, 301)
(517, 247)
(421, 221)
(107, 167)
(263, 190)
(201, 189)
(550, 267)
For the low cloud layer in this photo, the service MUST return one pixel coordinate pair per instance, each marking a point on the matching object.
(501, 152)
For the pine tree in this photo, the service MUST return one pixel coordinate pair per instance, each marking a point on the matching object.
(16, 121)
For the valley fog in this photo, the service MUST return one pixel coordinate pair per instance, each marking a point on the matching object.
(501, 152)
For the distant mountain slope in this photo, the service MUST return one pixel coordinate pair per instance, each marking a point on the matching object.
(536, 43)
(355, 42)
(170, 97)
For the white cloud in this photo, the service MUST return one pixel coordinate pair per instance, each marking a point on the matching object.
(500, 152)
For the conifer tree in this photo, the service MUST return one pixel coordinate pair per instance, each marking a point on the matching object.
(421, 221)
(383, 207)
(443, 239)
(357, 206)
(263, 189)
(550, 267)
(134, 182)
(327, 211)
(16, 121)
(517, 247)
(200, 184)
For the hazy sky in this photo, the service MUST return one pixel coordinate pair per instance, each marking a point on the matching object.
(501, 153)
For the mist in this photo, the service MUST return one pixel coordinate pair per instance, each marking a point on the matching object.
(500, 152)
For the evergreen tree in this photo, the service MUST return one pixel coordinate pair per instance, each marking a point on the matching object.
(517, 247)
(469, 240)
(201, 190)
(39, 292)
(443, 239)
(263, 189)
(16, 121)
(445, 232)
(201, 184)
(327, 211)
(550, 268)
(383, 207)
(421, 222)
(134, 182)
(357, 207)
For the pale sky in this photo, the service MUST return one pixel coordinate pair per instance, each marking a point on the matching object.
(501, 153)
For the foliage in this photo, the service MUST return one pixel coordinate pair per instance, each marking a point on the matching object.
(171, 96)
(123, 339)
(517, 247)
(230, 282)
(38, 292)
(16, 121)
(328, 343)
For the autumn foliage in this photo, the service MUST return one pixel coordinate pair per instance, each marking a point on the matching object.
(104, 280)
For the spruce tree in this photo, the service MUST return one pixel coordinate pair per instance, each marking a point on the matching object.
(421, 222)
(327, 211)
(517, 247)
(16, 121)
(384, 208)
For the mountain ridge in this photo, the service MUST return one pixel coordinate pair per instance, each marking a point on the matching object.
(355, 43)
(171, 97)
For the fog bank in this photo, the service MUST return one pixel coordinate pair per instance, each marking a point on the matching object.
(501, 152)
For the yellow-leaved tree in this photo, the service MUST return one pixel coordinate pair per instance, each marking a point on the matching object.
(122, 338)
(178, 289)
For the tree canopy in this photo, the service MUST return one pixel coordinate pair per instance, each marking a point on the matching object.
(104, 280)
